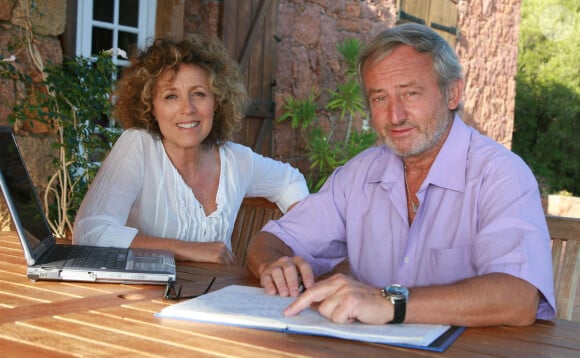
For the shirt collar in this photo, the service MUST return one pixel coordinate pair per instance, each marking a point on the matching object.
(387, 167)
(453, 155)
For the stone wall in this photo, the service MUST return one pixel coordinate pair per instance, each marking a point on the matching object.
(488, 48)
(561, 205)
(49, 20)
(202, 16)
(46, 19)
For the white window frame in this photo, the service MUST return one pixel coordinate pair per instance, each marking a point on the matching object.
(145, 29)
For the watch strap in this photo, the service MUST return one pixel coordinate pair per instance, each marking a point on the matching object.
(399, 302)
(400, 310)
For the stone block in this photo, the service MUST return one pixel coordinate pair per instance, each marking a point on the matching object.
(48, 16)
(562, 205)
(6, 7)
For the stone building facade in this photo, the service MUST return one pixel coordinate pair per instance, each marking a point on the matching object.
(308, 31)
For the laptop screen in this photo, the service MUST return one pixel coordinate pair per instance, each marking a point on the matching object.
(29, 215)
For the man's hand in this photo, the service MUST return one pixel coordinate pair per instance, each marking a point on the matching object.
(344, 300)
(285, 275)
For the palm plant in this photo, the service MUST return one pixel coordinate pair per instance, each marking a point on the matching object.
(324, 152)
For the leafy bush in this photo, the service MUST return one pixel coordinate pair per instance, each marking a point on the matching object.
(75, 99)
(325, 152)
(547, 113)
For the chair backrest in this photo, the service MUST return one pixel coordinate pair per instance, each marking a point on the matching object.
(565, 234)
(253, 215)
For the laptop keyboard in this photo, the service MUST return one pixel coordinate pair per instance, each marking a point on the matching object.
(97, 257)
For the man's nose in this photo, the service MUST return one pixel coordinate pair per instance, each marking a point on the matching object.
(396, 112)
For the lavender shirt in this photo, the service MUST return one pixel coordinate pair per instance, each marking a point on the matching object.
(480, 213)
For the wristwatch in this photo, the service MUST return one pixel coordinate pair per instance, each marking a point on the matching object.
(398, 295)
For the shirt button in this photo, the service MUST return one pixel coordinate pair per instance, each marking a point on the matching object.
(406, 260)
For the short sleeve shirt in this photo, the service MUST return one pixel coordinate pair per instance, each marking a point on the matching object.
(480, 212)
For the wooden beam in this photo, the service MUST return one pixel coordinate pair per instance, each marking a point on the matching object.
(169, 18)
(256, 24)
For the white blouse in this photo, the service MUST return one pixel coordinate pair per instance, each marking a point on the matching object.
(138, 189)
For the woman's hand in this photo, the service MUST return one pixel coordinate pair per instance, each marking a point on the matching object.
(213, 252)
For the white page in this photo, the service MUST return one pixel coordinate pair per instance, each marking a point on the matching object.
(233, 305)
(252, 307)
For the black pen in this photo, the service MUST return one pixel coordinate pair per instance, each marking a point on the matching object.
(301, 287)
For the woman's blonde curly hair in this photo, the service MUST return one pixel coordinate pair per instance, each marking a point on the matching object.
(136, 88)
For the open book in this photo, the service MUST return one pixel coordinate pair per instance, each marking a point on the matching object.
(252, 307)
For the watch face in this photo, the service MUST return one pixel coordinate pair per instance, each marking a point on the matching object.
(398, 291)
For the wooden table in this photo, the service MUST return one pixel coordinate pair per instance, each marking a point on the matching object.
(64, 319)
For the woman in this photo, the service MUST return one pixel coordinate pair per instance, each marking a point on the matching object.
(173, 180)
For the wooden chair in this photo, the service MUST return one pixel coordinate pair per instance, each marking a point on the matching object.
(565, 234)
(253, 215)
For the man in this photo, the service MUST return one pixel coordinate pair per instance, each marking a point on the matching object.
(449, 216)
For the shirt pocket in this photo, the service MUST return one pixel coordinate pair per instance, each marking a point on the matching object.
(450, 265)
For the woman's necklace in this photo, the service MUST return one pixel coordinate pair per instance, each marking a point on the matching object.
(413, 205)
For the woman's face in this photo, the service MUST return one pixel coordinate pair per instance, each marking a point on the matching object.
(184, 105)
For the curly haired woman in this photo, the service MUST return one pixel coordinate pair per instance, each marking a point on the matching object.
(174, 180)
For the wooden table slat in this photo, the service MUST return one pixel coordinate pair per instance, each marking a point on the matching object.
(20, 348)
(60, 341)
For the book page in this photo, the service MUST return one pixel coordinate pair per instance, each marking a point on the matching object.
(253, 307)
(233, 305)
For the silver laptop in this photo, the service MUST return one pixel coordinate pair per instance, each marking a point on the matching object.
(48, 260)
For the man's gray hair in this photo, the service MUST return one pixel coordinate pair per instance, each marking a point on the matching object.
(446, 64)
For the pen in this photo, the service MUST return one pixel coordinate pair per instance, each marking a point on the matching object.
(301, 287)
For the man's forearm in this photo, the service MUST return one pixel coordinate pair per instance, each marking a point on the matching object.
(264, 249)
(487, 300)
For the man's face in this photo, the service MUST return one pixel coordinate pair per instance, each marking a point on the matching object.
(408, 110)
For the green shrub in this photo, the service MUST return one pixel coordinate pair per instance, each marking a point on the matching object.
(547, 113)
(325, 152)
(74, 98)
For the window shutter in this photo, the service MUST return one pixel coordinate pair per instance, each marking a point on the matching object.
(440, 15)
(249, 34)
